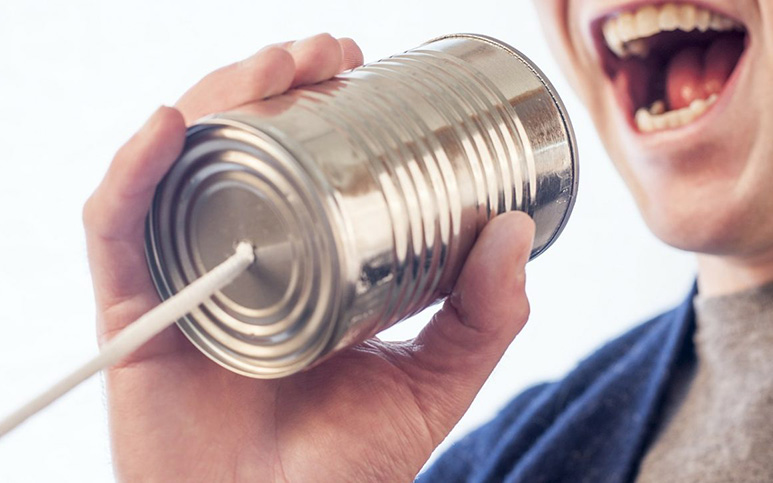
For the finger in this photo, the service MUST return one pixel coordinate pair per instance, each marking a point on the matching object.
(114, 215)
(459, 348)
(351, 54)
(269, 72)
(118, 207)
(317, 58)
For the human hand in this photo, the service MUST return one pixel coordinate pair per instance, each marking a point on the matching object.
(374, 412)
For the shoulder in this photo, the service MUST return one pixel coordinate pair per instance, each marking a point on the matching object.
(467, 454)
(534, 412)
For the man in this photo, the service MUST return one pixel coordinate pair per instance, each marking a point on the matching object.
(672, 90)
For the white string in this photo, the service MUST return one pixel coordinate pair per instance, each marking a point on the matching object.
(139, 332)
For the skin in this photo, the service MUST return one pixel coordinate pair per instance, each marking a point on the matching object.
(176, 416)
(372, 413)
(703, 188)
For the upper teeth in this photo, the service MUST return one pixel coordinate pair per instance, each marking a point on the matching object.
(623, 32)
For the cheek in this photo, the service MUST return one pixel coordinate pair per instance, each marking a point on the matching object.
(547, 9)
(606, 118)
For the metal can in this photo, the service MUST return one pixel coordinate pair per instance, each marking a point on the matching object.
(362, 195)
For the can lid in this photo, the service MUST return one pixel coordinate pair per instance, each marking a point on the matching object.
(234, 183)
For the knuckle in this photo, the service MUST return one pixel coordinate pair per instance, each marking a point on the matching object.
(326, 41)
(271, 58)
(518, 306)
(519, 284)
(523, 311)
(351, 48)
(89, 212)
(274, 67)
(267, 60)
(320, 49)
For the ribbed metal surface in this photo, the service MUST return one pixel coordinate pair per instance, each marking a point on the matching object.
(363, 196)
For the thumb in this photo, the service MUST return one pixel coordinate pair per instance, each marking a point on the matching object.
(456, 352)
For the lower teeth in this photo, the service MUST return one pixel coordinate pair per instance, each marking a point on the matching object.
(656, 119)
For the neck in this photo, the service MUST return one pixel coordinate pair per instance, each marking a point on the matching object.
(720, 275)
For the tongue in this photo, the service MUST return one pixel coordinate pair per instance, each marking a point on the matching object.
(684, 78)
(719, 63)
(693, 74)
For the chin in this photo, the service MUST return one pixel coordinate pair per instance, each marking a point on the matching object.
(711, 217)
(694, 229)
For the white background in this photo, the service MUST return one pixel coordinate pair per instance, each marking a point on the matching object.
(78, 77)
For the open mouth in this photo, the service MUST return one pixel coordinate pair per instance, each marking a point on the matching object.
(669, 63)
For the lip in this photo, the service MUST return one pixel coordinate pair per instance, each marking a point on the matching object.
(672, 135)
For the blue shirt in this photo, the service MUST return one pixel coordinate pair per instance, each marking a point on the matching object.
(594, 425)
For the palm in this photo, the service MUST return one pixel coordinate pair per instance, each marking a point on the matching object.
(308, 427)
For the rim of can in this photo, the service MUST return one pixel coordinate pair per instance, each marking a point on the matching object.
(560, 106)
(164, 279)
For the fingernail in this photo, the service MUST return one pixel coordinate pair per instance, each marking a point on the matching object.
(518, 227)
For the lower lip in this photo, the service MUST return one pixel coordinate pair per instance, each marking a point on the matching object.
(699, 124)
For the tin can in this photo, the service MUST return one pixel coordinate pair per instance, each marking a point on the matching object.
(362, 195)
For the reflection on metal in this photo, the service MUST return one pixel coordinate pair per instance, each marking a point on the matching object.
(362, 195)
